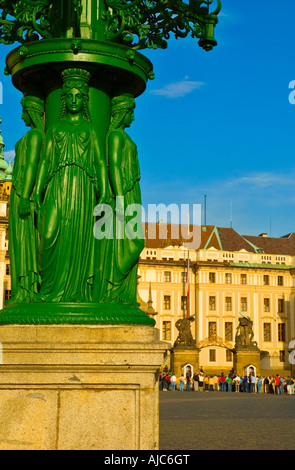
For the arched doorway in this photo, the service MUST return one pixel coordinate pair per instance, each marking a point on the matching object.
(188, 368)
(250, 370)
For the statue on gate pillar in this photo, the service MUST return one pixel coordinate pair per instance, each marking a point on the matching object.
(245, 334)
(185, 337)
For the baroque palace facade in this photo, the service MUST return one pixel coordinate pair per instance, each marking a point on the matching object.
(229, 275)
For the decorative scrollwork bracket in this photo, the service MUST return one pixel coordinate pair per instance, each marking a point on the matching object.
(138, 24)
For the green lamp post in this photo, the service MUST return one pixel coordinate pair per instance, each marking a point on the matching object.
(76, 168)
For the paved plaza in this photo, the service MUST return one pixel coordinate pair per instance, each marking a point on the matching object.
(226, 421)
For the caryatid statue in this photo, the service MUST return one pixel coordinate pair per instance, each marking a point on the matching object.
(82, 59)
(71, 181)
(23, 235)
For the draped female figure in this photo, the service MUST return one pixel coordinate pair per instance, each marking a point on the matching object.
(72, 180)
(116, 280)
(23, 236)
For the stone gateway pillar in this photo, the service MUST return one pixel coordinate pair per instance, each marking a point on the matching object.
(246, 351)
(184, 351)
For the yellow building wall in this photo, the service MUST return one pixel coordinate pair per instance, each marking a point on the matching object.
(255, 291)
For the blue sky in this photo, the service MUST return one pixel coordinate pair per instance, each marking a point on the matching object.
(218, 124)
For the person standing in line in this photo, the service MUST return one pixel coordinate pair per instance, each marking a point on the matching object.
(272, 383)
(237, 383)
(168, 378)
(206, 383)
(222, 383)
(188, 377)
(181, 383)
(201, 381)
(211, 383)
(229, 381)
(252, 383)
(246, 384)
(165, 382)
(259, 384)
(216, 380)
(241, 384)
(282, 383)
(188, 383)
(277, 384)
(265, 384)
(289, 385)
(173, 382)
(196, 382)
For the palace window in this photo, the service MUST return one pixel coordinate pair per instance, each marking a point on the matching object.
(7, 295)
(243, 278)
(212, 278)
(183, 302)
(212, 302)
(228, 356)
(244, 304)
(167, 302)
(228, 255)
(228, 304)
(266, 302)
(166, 331)
(228, 336)
(266, 280)
(266, 332)
(227, 278)
(280, 280)
(212, 329)
(282, 356)
(266, 259)
(183, 277)
(281, 332)
(280, 305)
(212, 355)
(8, 269)
(167, 276)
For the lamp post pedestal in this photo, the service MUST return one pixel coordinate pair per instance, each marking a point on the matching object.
(69, 387)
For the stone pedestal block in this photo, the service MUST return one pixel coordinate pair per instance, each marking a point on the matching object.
(66, 387)
(244, 358)
(182, 357)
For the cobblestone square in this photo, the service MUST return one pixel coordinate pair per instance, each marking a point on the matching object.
(226, 421)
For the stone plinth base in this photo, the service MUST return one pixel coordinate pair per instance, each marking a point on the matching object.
(244, 358)
(182, 357)
(67, 387)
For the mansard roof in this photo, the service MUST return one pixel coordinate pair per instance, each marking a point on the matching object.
(161, 235)
(276, 246)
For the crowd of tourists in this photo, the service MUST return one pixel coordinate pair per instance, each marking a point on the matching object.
(232, 382)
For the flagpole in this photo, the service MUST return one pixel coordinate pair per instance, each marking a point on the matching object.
(188, 276)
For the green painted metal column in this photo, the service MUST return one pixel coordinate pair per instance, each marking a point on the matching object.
(80, 71)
